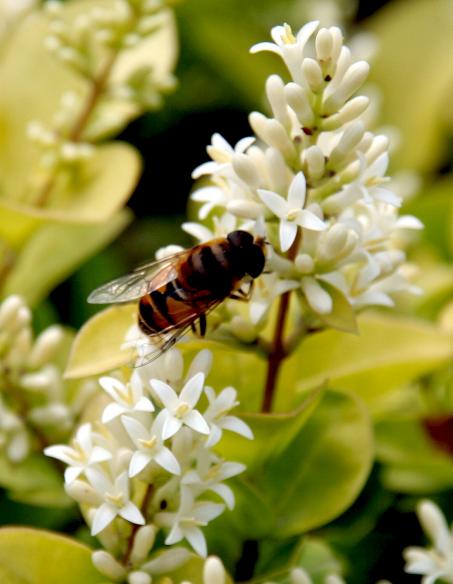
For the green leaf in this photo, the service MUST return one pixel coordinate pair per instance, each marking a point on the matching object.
(34, 481)
(323, 469)
(412, 462)
(342, 317)
(99, 188)
(97, 346)
(272, 434)
(31, 556)
(388, 352)
(54, 251)
(418, 42)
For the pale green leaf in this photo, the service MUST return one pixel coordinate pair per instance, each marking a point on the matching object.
(31, 556)
(322, 471)
(34, 480)
(54, 251)
(413, 71)
(342, 317)
(97, 347)
(388, 352)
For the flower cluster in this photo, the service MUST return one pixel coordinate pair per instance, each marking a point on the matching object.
(91, 43)
(435, 563)
(34, 406)
(313, 182)
(149, 459)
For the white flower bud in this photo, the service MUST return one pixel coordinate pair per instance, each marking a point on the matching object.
(324, 44)
(314, 161)
(298, 101)
(246, 170)
(139, 578)
(50, 415)
(52, 43)
(337, 42)
(143, 543)
(273, 133)
(378, 146)
(313, 74)
(334, 579)
(46, 346)
(213, 571)
(108, 566)
(245, 209)
(351, 82)
(348, 141)
(18, 447)
(201, 363)
(299, 576)
(318, 299)
(275, 91)
(41, 381)
(277, 170)
(304, 263)
(9, 309)
(351, 110)
(83, 493)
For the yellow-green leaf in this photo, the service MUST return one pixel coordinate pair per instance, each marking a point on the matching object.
(388, 352)
(97, 347)
(413, 71)
(323, 469)
(54, 251)
(32, 556)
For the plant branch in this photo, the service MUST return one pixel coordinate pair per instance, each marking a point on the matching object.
(278, 352)
(97, 89)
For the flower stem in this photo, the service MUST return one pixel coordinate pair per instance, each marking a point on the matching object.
(278, 351)
(97, 89)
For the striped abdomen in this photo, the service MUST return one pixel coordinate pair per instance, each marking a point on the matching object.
(207, 275)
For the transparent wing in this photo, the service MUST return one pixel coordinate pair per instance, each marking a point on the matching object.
(138, 282)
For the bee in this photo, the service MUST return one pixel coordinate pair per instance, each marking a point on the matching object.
(177, 292)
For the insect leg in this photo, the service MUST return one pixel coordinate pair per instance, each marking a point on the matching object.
(202, 324)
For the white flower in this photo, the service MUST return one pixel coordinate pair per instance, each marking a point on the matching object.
(115, 494)
(209, 475)
(291, 212)
(222, 154)
(436, 562)
(150, 447)
(186, 522)
(128, 397)
(81, 455)
(216, 415)
(180, 410)
(267, 288)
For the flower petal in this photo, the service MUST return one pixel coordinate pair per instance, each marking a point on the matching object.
(71, 473)
(135, 429)
(297, 191)
(288, 233)
(165, 393)
(309, 220)
(196, 421)
(274, 202)
(224, 493)
(111, 412)
(138, 462)
(237, 425)
(131, 513)
(195, 537)
(113, 387)
(191, 391)
(104, 515)
(167, 460)
(170, 427)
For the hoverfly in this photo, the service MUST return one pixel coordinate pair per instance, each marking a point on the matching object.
(177, 292)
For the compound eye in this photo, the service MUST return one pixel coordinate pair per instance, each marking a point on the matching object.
(255, 261)
(240, 238)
